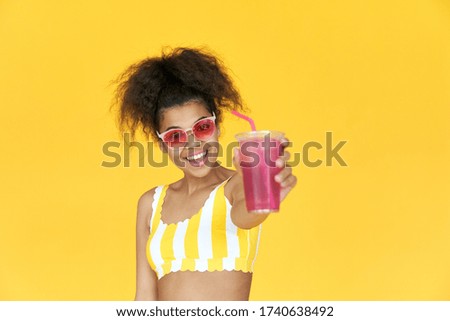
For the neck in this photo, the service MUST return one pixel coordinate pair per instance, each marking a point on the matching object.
(192, 184)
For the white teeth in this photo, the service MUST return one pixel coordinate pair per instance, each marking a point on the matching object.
(196, 156)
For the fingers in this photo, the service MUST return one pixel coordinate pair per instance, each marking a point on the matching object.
(281, 161)
(283, 175)
(285, 142)
(290, 181)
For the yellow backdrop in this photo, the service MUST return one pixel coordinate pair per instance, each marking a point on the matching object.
(374, 73)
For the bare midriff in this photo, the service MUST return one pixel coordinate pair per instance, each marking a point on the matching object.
(205, 286)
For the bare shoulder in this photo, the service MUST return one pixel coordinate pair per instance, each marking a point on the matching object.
(145, 202)
(147, 197)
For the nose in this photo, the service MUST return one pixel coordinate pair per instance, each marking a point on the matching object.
(192, 141)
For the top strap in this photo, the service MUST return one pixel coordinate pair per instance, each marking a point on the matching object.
(158, 199)
(226, 181)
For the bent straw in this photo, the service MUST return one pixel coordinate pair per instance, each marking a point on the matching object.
(250, 121)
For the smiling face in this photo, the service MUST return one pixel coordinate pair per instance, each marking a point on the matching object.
(196, 157)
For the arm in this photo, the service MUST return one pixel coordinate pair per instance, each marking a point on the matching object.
(145, 278)
(239, 214)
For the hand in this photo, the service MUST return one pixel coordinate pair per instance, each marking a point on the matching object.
(236, 161)
(284, 177)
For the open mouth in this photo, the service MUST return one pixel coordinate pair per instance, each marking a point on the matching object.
(197, 159)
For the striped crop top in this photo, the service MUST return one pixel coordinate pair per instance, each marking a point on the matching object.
(207, 241)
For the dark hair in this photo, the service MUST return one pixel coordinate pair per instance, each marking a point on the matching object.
(177, 77)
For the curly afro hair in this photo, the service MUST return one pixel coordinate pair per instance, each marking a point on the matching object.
(179, 76)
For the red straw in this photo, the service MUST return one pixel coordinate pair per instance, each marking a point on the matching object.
(250, 121)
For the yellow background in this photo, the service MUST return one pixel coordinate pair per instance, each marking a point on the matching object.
(375, 73)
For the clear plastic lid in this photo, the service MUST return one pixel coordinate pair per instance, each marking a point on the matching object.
(259, 134)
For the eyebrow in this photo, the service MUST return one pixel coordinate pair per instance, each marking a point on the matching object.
(172, 127)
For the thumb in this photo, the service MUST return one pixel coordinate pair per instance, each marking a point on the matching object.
(236, 152)
(236, 160)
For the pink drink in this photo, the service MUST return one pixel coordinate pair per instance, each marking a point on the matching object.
(258, 152)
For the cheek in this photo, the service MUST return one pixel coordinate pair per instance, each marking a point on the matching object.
(215, 136)
(213, 145)
(173, 154)
(213, 140)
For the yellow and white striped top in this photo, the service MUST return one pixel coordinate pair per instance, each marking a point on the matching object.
(207, 241)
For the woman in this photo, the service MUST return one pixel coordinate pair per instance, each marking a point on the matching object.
(195, 239)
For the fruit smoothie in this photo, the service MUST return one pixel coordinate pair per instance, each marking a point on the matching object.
(258, 152)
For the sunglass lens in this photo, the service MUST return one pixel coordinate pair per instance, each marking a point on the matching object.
(175, 138)
(204, 129)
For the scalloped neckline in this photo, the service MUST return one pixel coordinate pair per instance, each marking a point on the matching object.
(188, 218)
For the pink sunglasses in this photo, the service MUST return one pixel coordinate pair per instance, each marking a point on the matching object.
(202, 130)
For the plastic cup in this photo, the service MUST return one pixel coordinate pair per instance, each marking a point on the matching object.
(258, 151)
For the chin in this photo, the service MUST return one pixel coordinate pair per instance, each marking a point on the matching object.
(198, 173)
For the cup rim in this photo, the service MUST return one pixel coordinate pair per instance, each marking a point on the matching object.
(258, 133)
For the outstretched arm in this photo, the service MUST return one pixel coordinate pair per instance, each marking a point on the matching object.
(239, 214)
